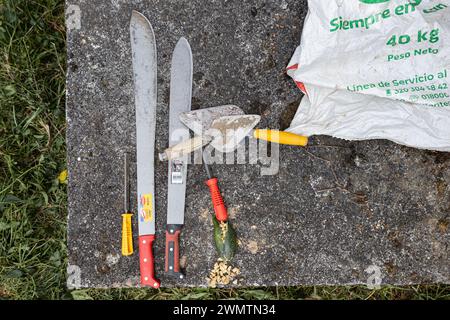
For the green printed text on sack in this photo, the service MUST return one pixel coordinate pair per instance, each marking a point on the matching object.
(340, 23)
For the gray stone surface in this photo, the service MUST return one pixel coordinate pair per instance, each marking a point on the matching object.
(333, 210)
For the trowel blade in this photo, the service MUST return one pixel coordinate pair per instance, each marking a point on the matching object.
(229, 131)
(201, 120)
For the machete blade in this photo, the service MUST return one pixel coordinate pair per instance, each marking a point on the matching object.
(145, 72)
(180, 101)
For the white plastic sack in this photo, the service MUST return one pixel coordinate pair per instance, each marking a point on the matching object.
(375, 69)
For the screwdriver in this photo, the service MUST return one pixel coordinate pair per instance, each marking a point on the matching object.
(217, 200)
(127, 235)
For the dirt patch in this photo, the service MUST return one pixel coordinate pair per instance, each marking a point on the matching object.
(252, 246)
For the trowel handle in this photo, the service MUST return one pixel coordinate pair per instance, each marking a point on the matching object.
(183, 148)
(217, 200)
(280, 137)
(146, 261)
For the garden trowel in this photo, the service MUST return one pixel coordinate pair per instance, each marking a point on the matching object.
(225, 132)
(224, 127)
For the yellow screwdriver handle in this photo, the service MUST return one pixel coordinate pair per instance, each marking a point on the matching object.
(127, 235)
(280, 137)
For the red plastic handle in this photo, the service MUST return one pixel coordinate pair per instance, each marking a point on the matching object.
(219, 206)
(146, 261)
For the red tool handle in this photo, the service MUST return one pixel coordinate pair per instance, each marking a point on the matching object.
(146, 260)
(219, 206)
(173, 250)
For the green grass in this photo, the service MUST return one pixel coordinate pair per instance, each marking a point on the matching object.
(32, 154)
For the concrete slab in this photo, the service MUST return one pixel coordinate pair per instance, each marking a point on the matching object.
(337, 212)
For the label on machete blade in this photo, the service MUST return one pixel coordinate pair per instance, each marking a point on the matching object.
(177, 172)
(146, 207)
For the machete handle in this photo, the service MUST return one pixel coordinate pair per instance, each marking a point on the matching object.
(217, 200)
(127, 235)
(280, 137)
(173, 250)
(146, 261)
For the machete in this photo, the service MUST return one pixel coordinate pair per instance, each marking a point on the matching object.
(143, 47)
(180, 101)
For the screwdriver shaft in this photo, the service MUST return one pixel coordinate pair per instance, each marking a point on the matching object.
(205, 163)
(126, 183)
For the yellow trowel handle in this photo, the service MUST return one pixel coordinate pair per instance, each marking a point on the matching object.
(280, 137)
(127, 235)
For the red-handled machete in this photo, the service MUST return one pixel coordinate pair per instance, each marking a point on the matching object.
(180, 101)
(143, 47)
